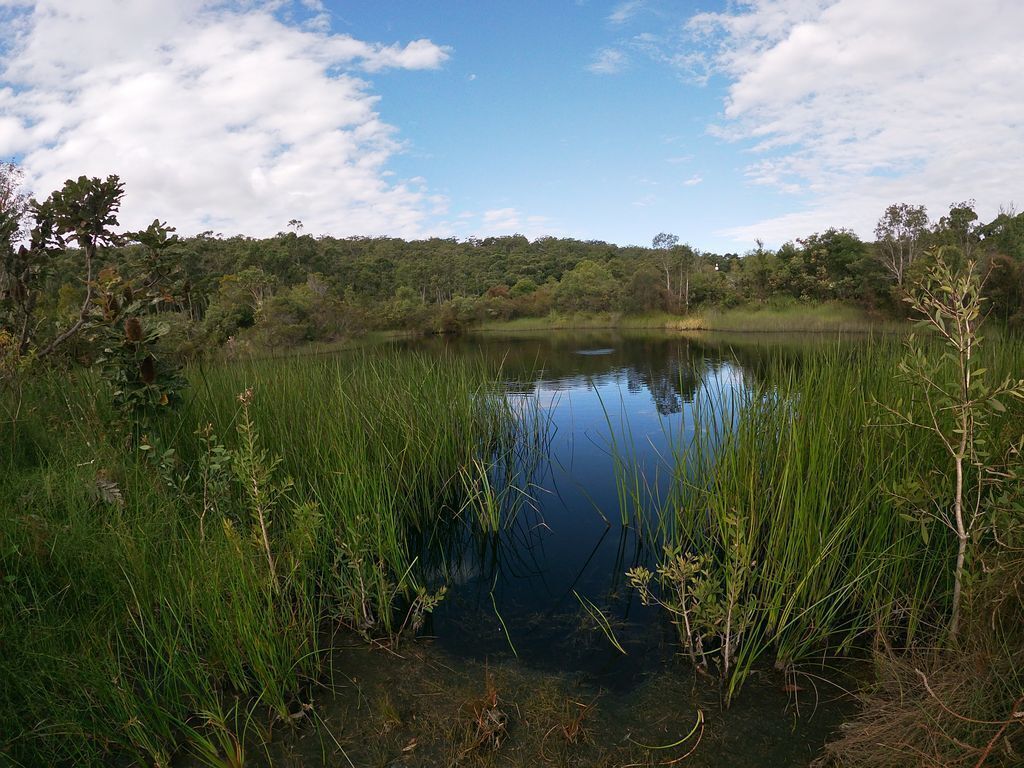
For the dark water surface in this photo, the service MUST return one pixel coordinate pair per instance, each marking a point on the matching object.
(596, 394)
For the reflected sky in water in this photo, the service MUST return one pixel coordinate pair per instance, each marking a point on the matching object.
(597, 395)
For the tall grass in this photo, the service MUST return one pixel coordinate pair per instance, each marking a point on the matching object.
(169, 595)
(776, 317)
(785, 521)
(789, 317)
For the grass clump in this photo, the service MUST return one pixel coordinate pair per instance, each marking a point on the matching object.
(947, 707)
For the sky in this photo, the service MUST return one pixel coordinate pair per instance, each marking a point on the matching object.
(720, 121)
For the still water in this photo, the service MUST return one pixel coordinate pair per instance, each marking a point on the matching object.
(596, 397)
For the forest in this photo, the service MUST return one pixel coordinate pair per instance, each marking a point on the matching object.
(64, 254)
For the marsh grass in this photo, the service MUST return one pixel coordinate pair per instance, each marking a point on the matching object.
(776, 317)
(785, 519)
(179, 595)
(933, 706)
(789, 317)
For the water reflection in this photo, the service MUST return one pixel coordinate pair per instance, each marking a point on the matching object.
(615, 409)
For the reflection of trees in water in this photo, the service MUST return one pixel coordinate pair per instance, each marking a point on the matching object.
(671, 373)
(671, 368)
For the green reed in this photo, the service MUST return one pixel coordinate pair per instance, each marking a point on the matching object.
(783, 530)
(172, 594)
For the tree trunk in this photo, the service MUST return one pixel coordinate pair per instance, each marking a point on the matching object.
(961, 534)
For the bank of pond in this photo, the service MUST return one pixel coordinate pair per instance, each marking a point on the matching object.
(577, 548)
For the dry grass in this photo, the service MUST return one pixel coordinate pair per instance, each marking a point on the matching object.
(959, 708)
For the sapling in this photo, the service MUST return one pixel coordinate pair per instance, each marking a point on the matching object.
(955, 401)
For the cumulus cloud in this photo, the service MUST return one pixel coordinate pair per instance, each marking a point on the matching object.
(231, 116)
(608, 61)
(855, 104)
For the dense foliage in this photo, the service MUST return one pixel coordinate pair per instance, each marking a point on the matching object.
(293, 288)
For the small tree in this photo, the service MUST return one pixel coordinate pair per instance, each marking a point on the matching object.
(82, 212)
(898, 236)
(955, 400)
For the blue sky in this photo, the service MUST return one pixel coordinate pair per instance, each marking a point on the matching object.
(516, 119)
(596, 119)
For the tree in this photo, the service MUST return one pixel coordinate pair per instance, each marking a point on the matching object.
(686, 257)
(955, 401)
(239, 303)
(898, 237)
(589, 287)
(83, 212)
(13, 206)
(663, 244)
(18, 271)
(642, 293)
(759, 272)
(959, 227)
(1005, 233)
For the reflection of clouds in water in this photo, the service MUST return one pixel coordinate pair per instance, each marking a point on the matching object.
(539, 397)
(726, 378)
(549, 399)
(671, 388)
(642, 401)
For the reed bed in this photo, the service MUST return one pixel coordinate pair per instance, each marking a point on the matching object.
(174, 589)
(785, 538)
(178, 593)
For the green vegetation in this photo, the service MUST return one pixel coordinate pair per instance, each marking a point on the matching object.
(157, 598)
(180, 540)
(807, 519)
(772, 317)
(292, 289)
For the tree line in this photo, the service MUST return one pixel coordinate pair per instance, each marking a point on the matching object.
(66, 270)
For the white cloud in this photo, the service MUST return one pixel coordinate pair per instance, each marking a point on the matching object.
(608, 61)
(216, 115)
(623, 12)
(693, 181)
(856, 104)
(507, 221)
